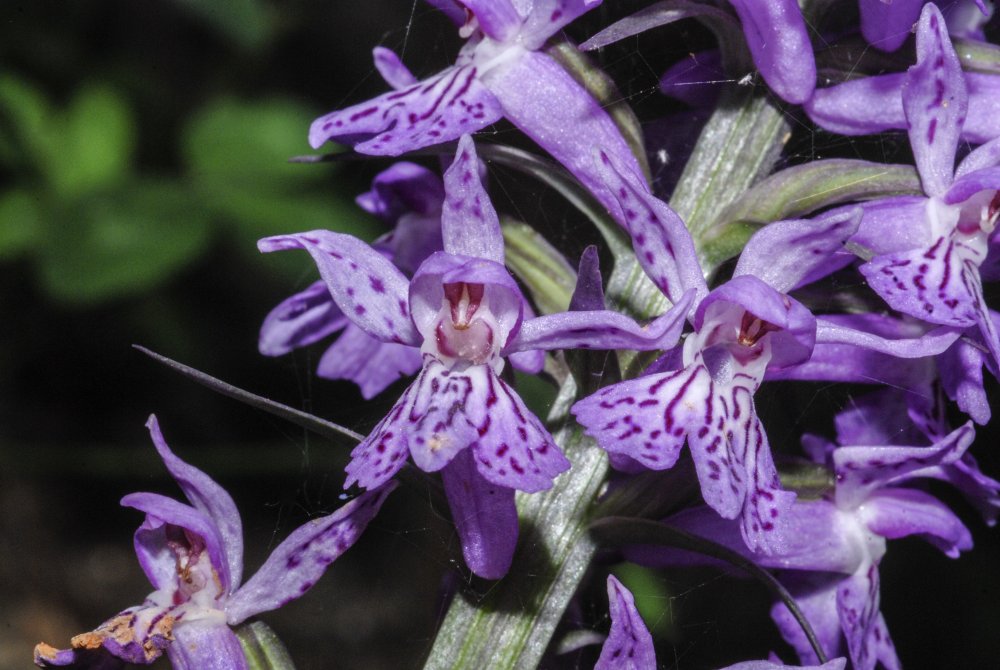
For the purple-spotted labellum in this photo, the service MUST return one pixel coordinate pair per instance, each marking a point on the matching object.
(193, 555)
(407, 197)
(501, 72)
(927, 252)
(466, 313)
(775, 34)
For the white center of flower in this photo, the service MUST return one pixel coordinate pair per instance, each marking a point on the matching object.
(972, 221)
(466, 330)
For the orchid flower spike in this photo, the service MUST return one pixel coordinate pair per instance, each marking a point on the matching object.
(466, 313)
(193, 556)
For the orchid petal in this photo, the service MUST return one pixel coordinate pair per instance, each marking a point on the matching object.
(208, 498)
(891, 225)
(371, 364)
(152, 542)
(793, 340)
(842, 331)
(432, 111)
(392, 69)
(137, 635)
(879, 418)
(453, 9)
(784, 254)
(528, 362)
(935, 100)
(403, 188)
(886, 25)
(777, 37)
(629, 645)
(514, 449)
(862, 106)
(300, 320)
(895, 513)
(858, 610)
(485, 517)
(501, 293)
(982, 123)
(588, 293)
(206, 645)
(302, 558)
(469, 223)
(547, 17)
(961, 369)
(549, 106)
(695, 79)
(835, 664)
(366, 286)
(939, 283)
(816, 596)
(980, 158)
(603, 330)
(981, 491)
(971, 183)
(663, 245)
(861, 470)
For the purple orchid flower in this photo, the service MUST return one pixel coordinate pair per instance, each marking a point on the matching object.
(499, 73)
(629, 645)
(466, 313)
(193, 555)
(408, 197)
(876, 104)
(775, 34)
(927, 251)
(830, 562)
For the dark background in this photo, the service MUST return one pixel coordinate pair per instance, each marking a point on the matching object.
(142, 153)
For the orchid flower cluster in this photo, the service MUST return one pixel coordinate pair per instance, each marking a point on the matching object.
(879, 284)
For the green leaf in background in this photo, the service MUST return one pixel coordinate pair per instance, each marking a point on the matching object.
(249, 143)
(121, 242)
(25, 137)
(246, 22)
(94, 141)
(20, 222)
(543, 269)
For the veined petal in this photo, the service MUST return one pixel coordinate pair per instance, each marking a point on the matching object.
(895, 513)
(649, 418)
(485, 517)
(392, 69)
(862, 470)
(777, 38)
(886, 25)
(207, 497)
(935, 100)
(629, 645)
(939, 283)
(152, 539)
(858, 611)
(662, 243)
(371, 364)
(430, 112)
(981, 491)
(602, 329)
(971, 183)
(514, 449)
(300, 320)
(366, 286)
(549, 106)
(302, 558)
(469, 223)
(203, 645)
(137, 635)
(786, 254)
